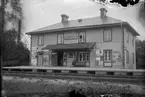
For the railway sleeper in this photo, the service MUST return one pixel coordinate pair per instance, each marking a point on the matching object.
(16, 70)
(91, 72)
(73, 71)
(41, 70)
(27, 70)
(56, 71)
(129, 73)
(109, 73)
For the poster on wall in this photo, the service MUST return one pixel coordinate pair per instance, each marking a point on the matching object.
(46, 60)
(116, 58)
(46, 57)
(34, 58)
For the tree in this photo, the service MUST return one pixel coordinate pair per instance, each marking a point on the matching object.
(140, 54)
(142, 13)
(13, 50)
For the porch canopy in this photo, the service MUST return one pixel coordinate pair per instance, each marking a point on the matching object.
(73, 46)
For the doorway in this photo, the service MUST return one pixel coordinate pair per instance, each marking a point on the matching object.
(60, 58)
(40, 60)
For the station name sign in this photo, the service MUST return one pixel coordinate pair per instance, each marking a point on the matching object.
(70, 37)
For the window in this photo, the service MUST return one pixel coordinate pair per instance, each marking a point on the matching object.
(127, 35)
(40, 40)
(133, 41)
(82, 37)
(87, 56)
(60, 38)
(107, 35)
(133, 58)
(127, 56)
(107, 55)
(82, 56)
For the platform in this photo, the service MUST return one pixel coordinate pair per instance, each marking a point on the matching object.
(76, 68)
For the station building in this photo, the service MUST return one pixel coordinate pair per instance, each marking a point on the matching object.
(97, 42)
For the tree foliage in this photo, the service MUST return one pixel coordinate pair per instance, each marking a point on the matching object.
(13, 50)
(142, 13)
(15, 12)
(140, 54)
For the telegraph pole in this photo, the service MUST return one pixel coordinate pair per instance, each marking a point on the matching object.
(1, 38)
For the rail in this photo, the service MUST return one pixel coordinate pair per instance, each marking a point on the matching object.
(72, 70)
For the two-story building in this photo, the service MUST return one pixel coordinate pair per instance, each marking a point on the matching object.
(98, 42)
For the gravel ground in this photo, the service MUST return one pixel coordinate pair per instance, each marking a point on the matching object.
(35, 87)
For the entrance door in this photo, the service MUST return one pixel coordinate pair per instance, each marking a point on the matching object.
(60, 58)
(54, 60)
(40, 60)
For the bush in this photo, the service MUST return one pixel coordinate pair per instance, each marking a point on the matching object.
(11, 63)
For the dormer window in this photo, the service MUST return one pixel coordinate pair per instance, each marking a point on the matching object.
(82, 37)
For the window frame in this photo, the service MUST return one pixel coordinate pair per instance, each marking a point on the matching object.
(127, 56)
(133, 58)
(85, 56)
(82, 57)
(107, 36)
(58, 39)
(84, 38)
(42, 41)
(133, 42)
(107, 55)
(127, 32)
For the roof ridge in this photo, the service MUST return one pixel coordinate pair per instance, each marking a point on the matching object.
(95, 20)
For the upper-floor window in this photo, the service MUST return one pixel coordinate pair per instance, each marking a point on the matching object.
(127, 35)
(40, 40)
(133, 41)
(60, 38)
(81, 36)
(133, 58)
(107, 35)
(127, 56)
(107, 55)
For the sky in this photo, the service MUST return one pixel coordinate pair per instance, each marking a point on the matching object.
(41, 13)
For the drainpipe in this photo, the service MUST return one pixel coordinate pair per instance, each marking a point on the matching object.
(123, 58)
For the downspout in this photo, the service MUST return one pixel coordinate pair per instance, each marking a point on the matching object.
(123, 58)
(30, 51)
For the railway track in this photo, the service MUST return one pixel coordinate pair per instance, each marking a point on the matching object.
(94, 74)
(75, 76)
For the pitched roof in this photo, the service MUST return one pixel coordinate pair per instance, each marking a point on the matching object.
(78, 24)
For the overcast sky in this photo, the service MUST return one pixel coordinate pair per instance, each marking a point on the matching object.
(41, 13)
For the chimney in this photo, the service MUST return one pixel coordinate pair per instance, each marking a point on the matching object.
(64, 18)
(103, 12)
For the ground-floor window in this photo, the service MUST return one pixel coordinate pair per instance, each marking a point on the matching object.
(82, 56)
(127, 56)
(107, 55)
(133, 58)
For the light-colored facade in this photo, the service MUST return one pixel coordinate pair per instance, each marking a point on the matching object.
(109, 45)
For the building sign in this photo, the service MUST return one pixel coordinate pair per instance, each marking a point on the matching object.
(107, 64)
(70, 37)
